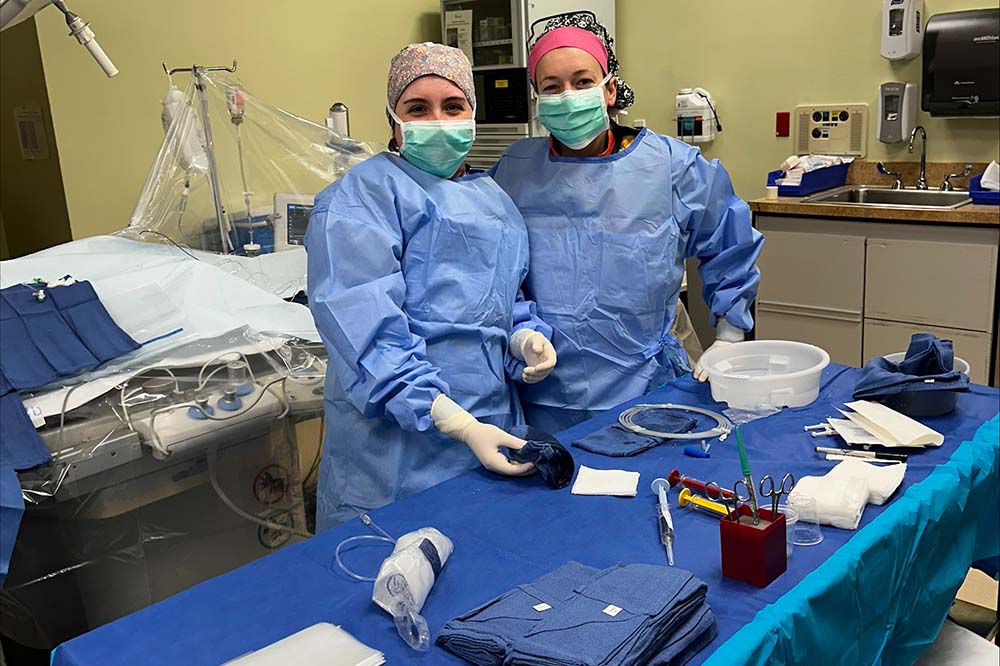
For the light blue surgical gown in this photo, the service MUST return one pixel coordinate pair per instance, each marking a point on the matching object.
(413, 282)
(609, 236)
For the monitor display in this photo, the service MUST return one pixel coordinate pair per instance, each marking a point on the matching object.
(298, 220)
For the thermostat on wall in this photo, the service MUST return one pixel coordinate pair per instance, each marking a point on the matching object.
(831, 129)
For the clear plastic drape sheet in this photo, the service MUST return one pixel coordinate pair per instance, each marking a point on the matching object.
(264, 158)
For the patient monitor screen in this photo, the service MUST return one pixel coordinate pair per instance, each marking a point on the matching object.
(298, 219)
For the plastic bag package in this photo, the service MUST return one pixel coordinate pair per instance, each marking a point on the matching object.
(145, 496)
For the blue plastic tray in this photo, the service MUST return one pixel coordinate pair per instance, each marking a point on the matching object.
(812, 181)
(981, 196)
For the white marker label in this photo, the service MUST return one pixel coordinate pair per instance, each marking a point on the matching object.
(612, 611)
(35, 414)
(541, 608)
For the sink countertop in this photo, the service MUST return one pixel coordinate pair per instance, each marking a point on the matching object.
(968, 214)
(864, 172)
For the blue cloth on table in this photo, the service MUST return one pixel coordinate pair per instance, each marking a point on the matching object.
(617, 441)
(20, 445)
(928, 366)
(86, 315)
(37, 341)
(689, 639)
(11, 508)
(553, 462)
(20, 448)
(627, 614)
(67, 332)
(893, 566)
(22, 363)
(220, 619)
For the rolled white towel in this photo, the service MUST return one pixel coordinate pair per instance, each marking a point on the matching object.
(790, 163)
(839, 502)
(882, 479)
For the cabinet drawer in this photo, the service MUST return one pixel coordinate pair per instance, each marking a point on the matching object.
(888, 337)
(813, 269)
(942, 284)
(841, 338)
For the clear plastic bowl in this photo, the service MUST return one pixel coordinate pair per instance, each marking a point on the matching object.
(765, 373)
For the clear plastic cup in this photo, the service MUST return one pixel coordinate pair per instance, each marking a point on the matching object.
(806, 531)
(791, 519)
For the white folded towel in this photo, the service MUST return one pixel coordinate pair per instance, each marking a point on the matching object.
(991, 177)
(794, 166)
(882, 479)
(839, 502)
(617, 482)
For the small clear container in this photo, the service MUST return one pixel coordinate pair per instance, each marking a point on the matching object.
(791, 520)
(806, 531)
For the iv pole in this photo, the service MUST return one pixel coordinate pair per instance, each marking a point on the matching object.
(213, 173)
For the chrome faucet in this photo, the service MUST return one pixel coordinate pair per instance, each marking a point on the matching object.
(946, 186)
(922, 179)
(898, 175)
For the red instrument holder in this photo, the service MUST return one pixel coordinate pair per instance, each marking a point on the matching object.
(755, 555)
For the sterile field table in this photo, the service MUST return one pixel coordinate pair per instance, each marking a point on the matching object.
(878, 594)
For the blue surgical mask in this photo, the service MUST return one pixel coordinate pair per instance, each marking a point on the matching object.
(575, 117)
(436, 146)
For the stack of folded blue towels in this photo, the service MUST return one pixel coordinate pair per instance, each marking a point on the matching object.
(929, 366)
(627, 615)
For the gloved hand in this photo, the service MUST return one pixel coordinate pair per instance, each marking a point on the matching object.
(700, 373)
(725, 334)
(484, 439)
(537, 353)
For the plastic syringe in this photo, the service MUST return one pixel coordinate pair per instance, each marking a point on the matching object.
(686, 498)
(660, 487)
(675, 477)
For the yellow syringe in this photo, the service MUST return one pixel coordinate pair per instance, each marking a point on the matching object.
(686, 497)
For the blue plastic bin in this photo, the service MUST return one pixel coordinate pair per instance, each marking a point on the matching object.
(812, 181)
(981, 196)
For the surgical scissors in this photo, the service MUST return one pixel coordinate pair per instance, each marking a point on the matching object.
(776, 493)
(722, 497)
(750, 498)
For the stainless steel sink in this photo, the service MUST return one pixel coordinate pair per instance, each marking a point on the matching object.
(861, 195)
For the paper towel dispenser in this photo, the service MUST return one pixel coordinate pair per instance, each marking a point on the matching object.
(961, 57)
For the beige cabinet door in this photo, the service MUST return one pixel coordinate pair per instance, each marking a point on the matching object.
(812, 290)
(934, 283)
(816, 270)
(839, 336)
(888, 337)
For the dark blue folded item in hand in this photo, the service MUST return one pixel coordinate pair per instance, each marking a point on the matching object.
(619, 442)
(553, 462)
(928, 366)
(622, 616)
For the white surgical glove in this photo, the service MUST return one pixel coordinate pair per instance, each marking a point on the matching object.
(537, 353)
(725, 334)
(484, 439)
